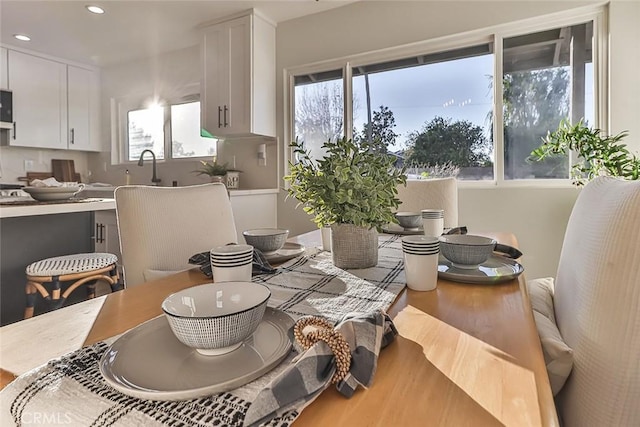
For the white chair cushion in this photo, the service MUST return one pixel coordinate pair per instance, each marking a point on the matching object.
(596, 300)
(160, 228)
(68, 264)
(435, 193)
(557, 355)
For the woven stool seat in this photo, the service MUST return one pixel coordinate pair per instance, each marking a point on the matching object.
(68, 264)
(80, 269)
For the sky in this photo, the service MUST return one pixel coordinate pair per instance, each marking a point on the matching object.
(458, 89)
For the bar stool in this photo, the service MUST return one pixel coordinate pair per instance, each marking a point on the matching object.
(81, 268)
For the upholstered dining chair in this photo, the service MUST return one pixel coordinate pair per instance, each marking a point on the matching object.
(436, 193)
(595, 300)
(160, 228)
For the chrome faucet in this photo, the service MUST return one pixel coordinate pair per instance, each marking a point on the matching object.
(154, 179)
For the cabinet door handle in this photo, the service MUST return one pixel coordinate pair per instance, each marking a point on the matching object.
(225, 116)
(14, 130)
(99, 233)
(219, 118)
(73, 136)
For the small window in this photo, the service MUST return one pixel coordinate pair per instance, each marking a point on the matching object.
(171, 131)
(146, 131)
(186, 139)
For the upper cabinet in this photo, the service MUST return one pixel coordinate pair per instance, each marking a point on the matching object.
(83, 109)
(238, 79)
(3, 68)
(55, 105)
(39, 101)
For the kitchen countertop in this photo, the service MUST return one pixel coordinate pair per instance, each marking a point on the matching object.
(82, 205)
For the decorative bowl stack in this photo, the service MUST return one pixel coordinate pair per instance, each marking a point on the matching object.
(215, 318)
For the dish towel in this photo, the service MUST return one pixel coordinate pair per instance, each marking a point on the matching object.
(313, 369)
(260, 263)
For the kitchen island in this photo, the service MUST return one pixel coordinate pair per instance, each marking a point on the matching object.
(32, 231)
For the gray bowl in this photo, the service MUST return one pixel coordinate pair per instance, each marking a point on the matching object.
(409, 219)
(466, 250)
(267, 240)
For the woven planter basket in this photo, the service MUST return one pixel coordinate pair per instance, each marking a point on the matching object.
(354, 247)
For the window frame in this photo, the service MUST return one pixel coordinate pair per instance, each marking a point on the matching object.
(119, 112)
(494, 35)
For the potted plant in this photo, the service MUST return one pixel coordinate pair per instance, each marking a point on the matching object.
(216, 171)
(352, 189)
(601, 154)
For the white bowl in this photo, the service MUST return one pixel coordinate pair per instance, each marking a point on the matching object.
(466, 250)
(215, 318)
(267, 240)
(52, 193)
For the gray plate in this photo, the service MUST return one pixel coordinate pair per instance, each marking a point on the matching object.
(496, 269)
(149, 362)
(287, 252)
(397, 229)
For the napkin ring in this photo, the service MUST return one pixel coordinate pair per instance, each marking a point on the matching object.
(325, 332)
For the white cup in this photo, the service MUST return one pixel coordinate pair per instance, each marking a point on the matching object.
(232, 263)
(239, 273)
(433, 222)
(421, 263)
(326, 238)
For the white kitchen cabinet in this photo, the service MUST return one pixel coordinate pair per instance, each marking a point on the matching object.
(55, 105)
(238, 77)
(106, 235)
(39, 101)
(254, 209)
(83, 109)
(3, 69)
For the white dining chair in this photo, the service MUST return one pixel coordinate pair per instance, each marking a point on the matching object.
(595, 300)
(435, 193)
(160, 228)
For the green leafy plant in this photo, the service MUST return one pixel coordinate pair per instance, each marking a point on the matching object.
(601, 154)
(352, 184)
(212, 168)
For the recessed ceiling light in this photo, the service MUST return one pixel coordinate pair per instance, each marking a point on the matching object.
(95, 9)
(22, 37)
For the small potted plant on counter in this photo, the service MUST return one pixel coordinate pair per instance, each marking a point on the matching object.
(216, 171)
(352, 189)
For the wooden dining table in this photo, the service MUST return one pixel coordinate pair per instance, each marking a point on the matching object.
(465, 355)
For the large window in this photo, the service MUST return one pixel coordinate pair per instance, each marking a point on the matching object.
(319, 109)
(173, 129)
(430, 111)
(547, 77)
(439, 110)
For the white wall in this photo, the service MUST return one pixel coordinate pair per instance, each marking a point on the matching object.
(12, 162)
(169, 77)
(537, 216)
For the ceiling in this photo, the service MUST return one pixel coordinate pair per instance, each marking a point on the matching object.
(128, 29)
